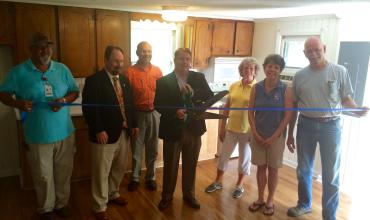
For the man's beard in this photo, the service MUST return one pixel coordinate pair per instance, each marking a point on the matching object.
(45, 60)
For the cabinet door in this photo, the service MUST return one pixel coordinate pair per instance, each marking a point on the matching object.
(31, 19)
(6, 28)
(244, 38)
(77, 40)
(223, 38)
(113, 28)
(202, 44)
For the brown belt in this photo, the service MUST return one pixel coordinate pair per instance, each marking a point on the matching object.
(322, 119)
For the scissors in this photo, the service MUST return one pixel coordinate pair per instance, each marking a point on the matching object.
(200, 112)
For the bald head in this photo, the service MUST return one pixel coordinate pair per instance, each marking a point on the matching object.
(144, 52)
(314, 50)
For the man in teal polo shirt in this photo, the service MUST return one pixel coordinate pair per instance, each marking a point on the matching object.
(36, 86)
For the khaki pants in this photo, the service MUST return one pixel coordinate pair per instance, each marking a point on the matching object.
(189, 145)
(51, 168)
(108, 167)
(148, 123)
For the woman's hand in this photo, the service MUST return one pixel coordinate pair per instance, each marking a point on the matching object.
(222, 133)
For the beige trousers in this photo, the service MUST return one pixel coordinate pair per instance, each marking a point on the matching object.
(108, 167)
(51, 168)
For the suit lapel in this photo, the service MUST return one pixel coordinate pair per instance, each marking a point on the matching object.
(106, 81)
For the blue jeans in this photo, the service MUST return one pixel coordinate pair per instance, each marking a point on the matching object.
(328, 135)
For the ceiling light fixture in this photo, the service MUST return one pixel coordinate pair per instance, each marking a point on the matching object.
(174, 13)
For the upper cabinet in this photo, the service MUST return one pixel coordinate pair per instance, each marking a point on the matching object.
(113, 28)
(77, 40)
(30, 19)
(202, 43)
(7, 26)
(243, 38)
(220, 38)
(223, 38)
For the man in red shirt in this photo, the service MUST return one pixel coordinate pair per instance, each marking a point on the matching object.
(142, 77)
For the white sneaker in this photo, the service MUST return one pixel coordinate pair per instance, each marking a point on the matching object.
(213, 187)
(238, 192)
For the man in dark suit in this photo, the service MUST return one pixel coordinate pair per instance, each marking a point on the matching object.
(182, 88)
(108, 110)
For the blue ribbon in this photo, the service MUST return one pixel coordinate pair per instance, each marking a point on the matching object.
(208, 108)
(24, 114)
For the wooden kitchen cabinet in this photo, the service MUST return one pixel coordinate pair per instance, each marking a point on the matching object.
(223, 38)
(30, 19)
(113, 28)
(7, 27)
(202, 43)
(77, 40)
(243, 38)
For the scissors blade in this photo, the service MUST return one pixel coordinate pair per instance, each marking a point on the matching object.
(210, 115)
(207, 104)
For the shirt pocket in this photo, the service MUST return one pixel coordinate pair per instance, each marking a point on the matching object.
(333, 88)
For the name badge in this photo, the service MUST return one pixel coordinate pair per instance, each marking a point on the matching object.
(48, 90)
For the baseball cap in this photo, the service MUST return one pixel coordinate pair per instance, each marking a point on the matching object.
(39, 39)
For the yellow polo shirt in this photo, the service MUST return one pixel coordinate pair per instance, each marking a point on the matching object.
(239, 98)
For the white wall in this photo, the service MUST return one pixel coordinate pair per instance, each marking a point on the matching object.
(266, 33)
(9, 157)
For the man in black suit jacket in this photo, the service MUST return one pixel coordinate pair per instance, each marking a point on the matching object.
(180, 89)
(108, 110)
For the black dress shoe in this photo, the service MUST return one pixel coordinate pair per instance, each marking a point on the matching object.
(46, 216)
(64, 212)
(164, 203)
(151, 185)
(192, 202)
(132, 186)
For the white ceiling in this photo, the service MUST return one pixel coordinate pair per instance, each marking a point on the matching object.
(233, 9)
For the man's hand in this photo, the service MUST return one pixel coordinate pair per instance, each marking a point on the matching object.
(364, 111)
(290, 143)
(135, 132)
(102, 137)
(181, 114)
(25, 105)
(56, 104)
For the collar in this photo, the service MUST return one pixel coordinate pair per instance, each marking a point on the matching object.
(30, 64)
(111, 76)
(248, 85)
(147, 69)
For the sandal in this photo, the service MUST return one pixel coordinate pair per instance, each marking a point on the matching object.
(269, 211)
(256, 206)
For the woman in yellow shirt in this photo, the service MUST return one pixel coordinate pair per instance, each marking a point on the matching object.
(237, 129)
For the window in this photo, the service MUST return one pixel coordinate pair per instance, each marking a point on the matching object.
(162, 38)
(292, 51)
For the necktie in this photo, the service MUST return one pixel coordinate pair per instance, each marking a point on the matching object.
(119, 94)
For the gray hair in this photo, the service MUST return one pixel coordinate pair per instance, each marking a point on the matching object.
(248, 61)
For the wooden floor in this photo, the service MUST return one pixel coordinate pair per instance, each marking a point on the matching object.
(18, 204)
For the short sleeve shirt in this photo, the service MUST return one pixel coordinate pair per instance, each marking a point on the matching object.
(42, 125)
(143, 83)
(322, 89)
